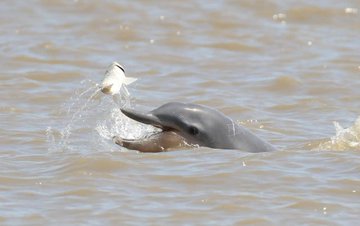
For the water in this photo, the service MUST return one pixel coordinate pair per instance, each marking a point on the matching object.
(287, 70)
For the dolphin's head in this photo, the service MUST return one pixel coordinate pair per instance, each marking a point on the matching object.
(191, 124)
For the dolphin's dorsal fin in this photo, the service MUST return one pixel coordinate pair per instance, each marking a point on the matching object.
(129, 80)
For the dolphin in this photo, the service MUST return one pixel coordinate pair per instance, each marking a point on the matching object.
(186, 125)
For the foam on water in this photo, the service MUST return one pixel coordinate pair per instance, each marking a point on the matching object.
(345, 139)
(90, 120)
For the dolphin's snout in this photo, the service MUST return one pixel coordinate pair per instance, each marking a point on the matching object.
(145, 118)
(106, 89)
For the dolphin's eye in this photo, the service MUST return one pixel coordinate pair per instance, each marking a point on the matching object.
(193, 130)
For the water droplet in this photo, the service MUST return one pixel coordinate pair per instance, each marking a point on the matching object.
(351, 10)
(279, 16)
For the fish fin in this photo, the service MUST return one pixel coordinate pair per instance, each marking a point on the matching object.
(129, 80)
(125, 91)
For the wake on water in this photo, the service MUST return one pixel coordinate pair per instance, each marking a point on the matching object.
(89, 120)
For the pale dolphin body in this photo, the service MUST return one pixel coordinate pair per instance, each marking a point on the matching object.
(185, 125)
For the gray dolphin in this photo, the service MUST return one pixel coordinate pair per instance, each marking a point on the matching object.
(183, 125)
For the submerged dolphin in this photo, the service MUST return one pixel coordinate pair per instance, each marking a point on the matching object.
(191, 124)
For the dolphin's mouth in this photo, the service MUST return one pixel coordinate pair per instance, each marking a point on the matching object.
(163, 140)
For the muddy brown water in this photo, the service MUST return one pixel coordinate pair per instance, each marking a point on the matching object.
(287, 70)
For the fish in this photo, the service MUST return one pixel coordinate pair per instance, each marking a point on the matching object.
(115, 80)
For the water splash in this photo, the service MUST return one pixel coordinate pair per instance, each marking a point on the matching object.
(345, 139)
(77, 111)
(89, 120)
